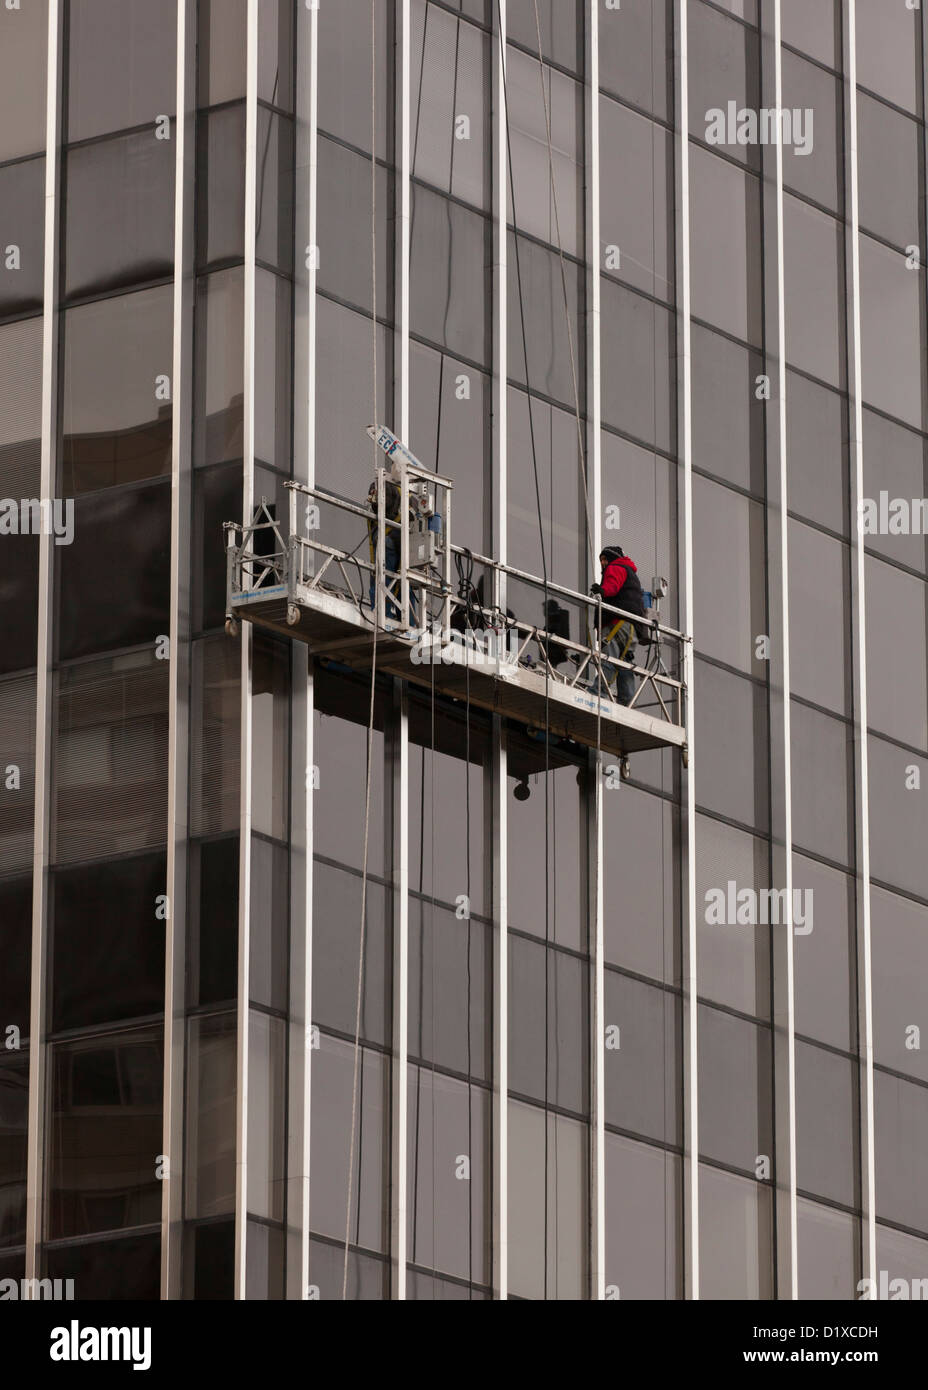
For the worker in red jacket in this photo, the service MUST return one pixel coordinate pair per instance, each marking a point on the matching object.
(619, 587)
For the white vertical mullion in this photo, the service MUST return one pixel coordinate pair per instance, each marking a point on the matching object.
(685, 450)
(858, 609)
(595, 823)
(401, 916)
(499, 773)
(248, 485)
(179, 666)
(299, 1108)
(35, 1176)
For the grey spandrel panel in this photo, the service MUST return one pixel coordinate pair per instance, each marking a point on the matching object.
(549, 901)
(893, 351)
(337, 938)
(22, 197)
(891, 147)
(14, 1108)
(449, 1007)
(640, 887)
(23, 71)
(827, 1252)
(898, 822)
(448, 1211)
(735, 1237)
(724, 68)
(899, 933)
(116, 392)
(640, 510)
(642, 1058)
(732, 735)
(119, 214)
(644, 1220)
(813, 156)
(903, 1256)
(345, 228)
(888, 52)
(822, 783)
(561, 25)
(728, 416)
(733, 956)
(817, 466)
(450, 275)
(897, 660)
(726, 273)
(735, 1090)
(813, 26)
(819, 605)
(636, 53)
(105, 1131)
(729, 599)
(344, 391)
(814, 281)
(827, 1125)
(334, 1069)
(901, 1132)
(549, 1212)
(449, 406)
(824, 969)
(345, 34)
(638, 367)
(121, 64)
(548, 1025)
(551, 211)
(636, 233)
(895, 476)
(450, 65)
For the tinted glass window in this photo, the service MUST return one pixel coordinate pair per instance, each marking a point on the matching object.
(121, 64)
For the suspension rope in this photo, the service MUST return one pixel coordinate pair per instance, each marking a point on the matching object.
(370, 722)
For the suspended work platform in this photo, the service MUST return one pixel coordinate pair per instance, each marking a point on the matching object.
(358, 588)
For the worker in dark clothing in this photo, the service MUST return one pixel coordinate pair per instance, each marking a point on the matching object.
(392, 543)
(619, 587)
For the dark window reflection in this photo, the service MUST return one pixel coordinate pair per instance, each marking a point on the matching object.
(117, 391)
(16, 954)
(22, 197)
(212, 942)
(210, 1136)
(108, 942)
(119, 213)
(115, 579)
(110, 1270)
(105, 1133)
(209, 1261)
(17, 765)
(221, 185)
(14, 1106)
(214, 736)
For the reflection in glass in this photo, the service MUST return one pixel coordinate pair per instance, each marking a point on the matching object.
(211, 1088)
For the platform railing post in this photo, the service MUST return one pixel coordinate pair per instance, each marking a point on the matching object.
(380, 564)
(404, 548)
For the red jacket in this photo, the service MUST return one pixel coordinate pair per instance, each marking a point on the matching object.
(622, 589)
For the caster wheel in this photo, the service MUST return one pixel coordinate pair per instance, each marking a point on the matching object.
(293, 615)
(686, 756)
(626, 769)
(233, 628)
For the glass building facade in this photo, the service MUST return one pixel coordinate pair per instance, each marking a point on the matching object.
(234, 232)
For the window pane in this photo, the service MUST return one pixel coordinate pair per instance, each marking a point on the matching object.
(219, 369)
(447, 1212)
(640, 920)
(266, 1105)
(211, 1121)
(116, 394)
(111, 765)
(724, 65)
(726, 222)
(731, 733)
(105, 1133)
(333, 1082)
(827, 1125)
(888, 47)
(814, 268)
(212, 939)
(890, 148)
(813, 160)
(336, 949)
(270, 902)
(812, 26)
(639, 157)
(900, 968)
(345, 73)
(548, 1204)
(450, 78)
(107, 942)
(898, 824)
(122, 64)
(449, 1015)
(20, 449)
(735, 1090)
(23, 70)
(825, 970)
(901, 1109)
(14, 1117)
(560, 24)
(17, 772)
(533, 199)
(215, 736)
(896, 619)
(892, 306)
(221, 185)
(644, 1234)
(119, 213)
(639, 370)
(636, 53)
(735, 1237)
(818, 617)
(116, 1270)
(728, 419)
(449, 256)
(22, 263)
(729, 598)
(816, 434)
(549, 1022)
(895, 460)
(822, 771)
(642, 1059)
(827, 1252)
(734, 960)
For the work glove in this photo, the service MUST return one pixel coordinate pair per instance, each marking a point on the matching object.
(596, 590)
